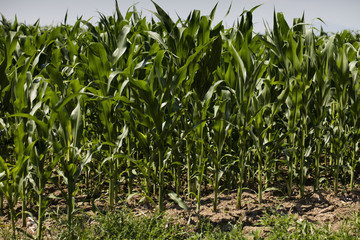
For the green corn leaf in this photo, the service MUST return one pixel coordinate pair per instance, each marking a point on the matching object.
(212, 14)
(238, 61)
(179, 201)
(164, 18)
(41, 124)
(76, 125)
(121, 45)
(4, 167)
(204, 30)
(3, 176)
(156, 36)
(210, 93)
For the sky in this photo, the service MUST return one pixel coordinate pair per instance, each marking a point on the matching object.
(337, 15)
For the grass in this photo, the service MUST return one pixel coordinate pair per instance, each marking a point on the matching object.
(287, 227)
(125, 224)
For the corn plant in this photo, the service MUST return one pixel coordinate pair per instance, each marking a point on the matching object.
(220, 131)
(146, 105)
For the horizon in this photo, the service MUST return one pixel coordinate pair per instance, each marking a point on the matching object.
(50, 14)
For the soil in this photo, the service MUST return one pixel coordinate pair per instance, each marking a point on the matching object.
(321, 207)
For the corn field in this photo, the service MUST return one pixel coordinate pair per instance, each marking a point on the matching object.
(168, 109)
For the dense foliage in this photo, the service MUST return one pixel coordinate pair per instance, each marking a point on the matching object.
(169, 107)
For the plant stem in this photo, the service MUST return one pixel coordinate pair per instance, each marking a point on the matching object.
(161, 183)
(23, 207)
(40, 217)
(302, 165)
(216, 187)
(130, 175)
(70, 207)
(259, 179)
(317, 167)
(200, 177)
(241, 176)
(353, 164)
(111, 187)
(12, 216)
(1, 203)
(188, 163)
(290, 174)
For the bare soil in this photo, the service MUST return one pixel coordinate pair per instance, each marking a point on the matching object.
(322, 207)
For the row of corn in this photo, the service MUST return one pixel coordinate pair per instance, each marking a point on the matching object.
(161, 109)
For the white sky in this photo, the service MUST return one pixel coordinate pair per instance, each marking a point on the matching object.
(338, 15)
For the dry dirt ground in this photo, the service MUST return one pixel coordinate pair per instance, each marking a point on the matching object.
(321, 207)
